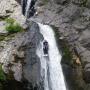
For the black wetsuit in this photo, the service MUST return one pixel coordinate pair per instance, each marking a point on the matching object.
(45, 47)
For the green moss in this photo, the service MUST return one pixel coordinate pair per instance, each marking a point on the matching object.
(12, 26)
(45, 1)
(67, 56)
(2, 75)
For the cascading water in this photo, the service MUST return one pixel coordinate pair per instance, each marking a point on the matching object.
(28, 7)
(51, 70)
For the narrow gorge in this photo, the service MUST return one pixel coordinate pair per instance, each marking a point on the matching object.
(24, 27)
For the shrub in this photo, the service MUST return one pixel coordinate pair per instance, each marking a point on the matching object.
(12, 26)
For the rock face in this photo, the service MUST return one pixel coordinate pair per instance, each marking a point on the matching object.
(72, 19)
(19, 56)
(32, 66)
(10, 8)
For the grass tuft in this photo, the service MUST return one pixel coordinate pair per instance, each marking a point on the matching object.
(12, 26)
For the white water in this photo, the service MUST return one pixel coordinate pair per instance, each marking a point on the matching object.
(51, 70)
(27, 7)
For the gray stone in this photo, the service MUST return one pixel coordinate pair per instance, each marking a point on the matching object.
(60, 1)
(32, 67)
(2, 28)
(19, 55)
(10, 8)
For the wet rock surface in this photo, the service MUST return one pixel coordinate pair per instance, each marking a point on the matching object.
(32, 67)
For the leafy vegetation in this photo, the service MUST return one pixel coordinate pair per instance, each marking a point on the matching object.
(12, 26)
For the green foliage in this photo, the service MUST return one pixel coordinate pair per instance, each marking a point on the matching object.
(13, 27)
(2, 75)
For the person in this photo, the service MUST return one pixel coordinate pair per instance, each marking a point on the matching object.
(45, 47)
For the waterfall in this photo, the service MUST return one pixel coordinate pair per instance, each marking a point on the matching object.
(28, 7)
(51, 70)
